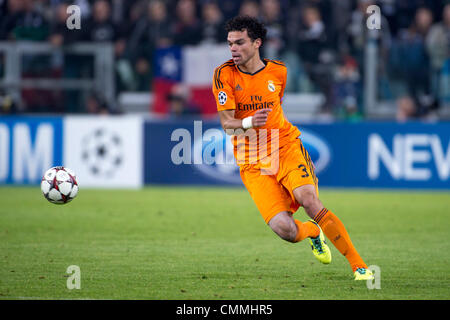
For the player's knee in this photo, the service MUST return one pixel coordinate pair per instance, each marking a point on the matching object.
(310, 201)
(285, 228)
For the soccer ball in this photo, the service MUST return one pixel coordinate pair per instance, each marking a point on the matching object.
(59, 185)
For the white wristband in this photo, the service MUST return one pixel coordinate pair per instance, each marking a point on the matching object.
(247, 123)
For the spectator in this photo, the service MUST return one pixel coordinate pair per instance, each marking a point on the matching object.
(229, 8)
(438, 40)
(143, 73)
(413, 62)
(316, 55)
(273, 20)
(22, 22)
(389, 10)
(136, 13)
(179, 102)
(406, 109)
(7, 104)
(438, 48)
(249, 8)
(153, 30)
(313, 37)
(96, 105)
(213, 26)
(100, 27)
(187, 29)
(119, 11)
(59, 33)
(325, 34)
(347, 89)
(358, 36)
(160, 34)
(406, 11)
(127, 78)
(65, 65)
(85, 6)
(44, 8)
(150, 32)
(341, 17)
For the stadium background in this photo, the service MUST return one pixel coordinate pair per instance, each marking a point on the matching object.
(374, 104)
(126, 103)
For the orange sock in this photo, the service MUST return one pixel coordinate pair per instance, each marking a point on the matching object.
(335, 231)
(305, 229)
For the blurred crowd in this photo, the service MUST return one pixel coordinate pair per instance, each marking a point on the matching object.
(322, 42)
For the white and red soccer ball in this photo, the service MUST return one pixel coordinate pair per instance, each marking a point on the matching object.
(59, 185)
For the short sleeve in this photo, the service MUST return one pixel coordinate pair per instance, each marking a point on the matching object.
(223, 89)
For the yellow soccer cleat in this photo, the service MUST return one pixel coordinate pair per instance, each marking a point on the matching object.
(319, 246)
(363, 274)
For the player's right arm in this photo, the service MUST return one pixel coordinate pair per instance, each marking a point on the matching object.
(228, 121)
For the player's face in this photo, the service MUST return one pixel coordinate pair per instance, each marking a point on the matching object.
(242, 47)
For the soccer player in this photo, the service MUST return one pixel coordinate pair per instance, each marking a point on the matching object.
(274, 166)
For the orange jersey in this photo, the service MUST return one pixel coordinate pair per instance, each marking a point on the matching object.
(245, 93)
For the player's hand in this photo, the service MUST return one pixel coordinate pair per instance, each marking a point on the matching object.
(260, 117)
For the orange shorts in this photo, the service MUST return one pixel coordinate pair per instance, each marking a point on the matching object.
(272, 193)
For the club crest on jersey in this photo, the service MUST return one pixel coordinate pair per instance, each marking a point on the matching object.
(271, 86)
(222, 96)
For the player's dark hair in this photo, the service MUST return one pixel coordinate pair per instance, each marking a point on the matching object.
(255, 29)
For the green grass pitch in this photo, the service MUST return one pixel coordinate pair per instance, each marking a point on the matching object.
(211, 243)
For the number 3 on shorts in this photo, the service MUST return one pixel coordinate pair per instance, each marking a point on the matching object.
(302, 166)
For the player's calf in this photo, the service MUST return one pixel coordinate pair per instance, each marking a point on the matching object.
(289, 229)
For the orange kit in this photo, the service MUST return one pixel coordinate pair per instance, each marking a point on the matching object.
(272, 159)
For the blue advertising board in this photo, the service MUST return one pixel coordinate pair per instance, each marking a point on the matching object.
(166, 162)
(189, 152)
(367, 155)
(28, 147)
(386, 155)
